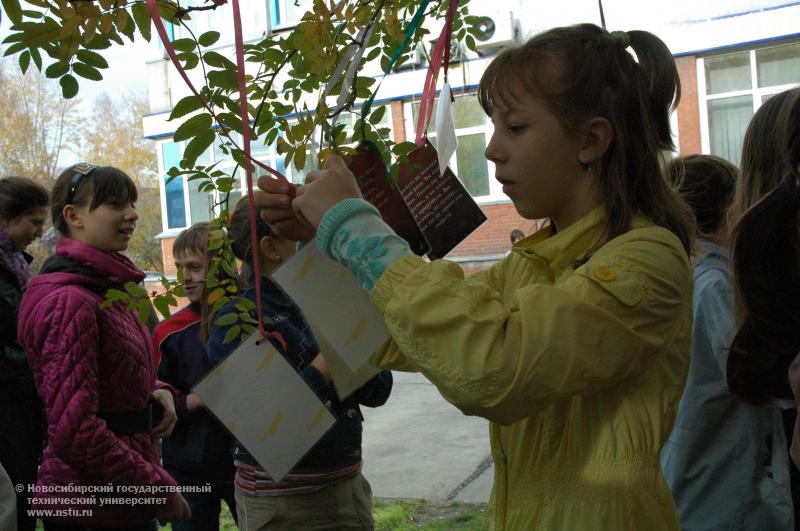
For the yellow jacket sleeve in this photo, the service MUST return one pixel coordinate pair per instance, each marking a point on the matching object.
(503, 346)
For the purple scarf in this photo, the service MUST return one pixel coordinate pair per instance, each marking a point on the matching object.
(12, 259)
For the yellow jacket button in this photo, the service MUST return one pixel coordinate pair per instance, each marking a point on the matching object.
(606, 274)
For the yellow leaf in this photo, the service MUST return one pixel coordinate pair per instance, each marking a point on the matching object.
(106, 4)
(106, 23)
(69, 27)
(122, 19)
(89, 29)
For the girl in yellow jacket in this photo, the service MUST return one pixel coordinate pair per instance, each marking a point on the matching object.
(576, 345)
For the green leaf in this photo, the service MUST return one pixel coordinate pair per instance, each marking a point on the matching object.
(376, 116)
(232, 334)
(224, 79)
(208, 38)
(24, 61)
(69, 86)
(198, 145)
(193, 126)
(185, 106)
(142, 18)
(57, 69)
(218, 60)
(184, 45)
(14, 48)
(300, 159)
(98, 42)
(37, 58)
(161, 303)
(92, 58)
(89, 72)
(13, 10)
(190, 60)
(227, 319)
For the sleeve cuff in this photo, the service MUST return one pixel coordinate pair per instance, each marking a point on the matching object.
(393, 276)
(336, 217)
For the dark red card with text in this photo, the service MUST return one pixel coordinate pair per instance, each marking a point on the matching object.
(443, 209)
(377, 188)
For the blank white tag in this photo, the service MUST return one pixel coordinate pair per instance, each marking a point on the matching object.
(446, 140)
(334, 302)
(266, 405)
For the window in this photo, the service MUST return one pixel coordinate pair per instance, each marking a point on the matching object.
(174, 206)
(474, 131)
(734, 85)
(287, 13)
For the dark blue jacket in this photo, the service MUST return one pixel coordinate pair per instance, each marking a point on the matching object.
(341, 446)
(199, 449)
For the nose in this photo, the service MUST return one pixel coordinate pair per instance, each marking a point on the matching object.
(493, 152)
(131, 214)
(39, 232)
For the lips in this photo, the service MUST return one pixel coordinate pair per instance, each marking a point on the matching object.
(128, 231)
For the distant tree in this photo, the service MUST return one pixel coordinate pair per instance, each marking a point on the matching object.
(38, 124)
(113, 136)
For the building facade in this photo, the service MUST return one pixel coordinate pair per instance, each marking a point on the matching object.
(730, 61)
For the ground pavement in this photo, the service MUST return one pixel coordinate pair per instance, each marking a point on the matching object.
(420, 446)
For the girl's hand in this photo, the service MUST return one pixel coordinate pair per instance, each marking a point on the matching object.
(794, 383)
(275, 202)
(167, 424)
(323, 189)
(176, 508)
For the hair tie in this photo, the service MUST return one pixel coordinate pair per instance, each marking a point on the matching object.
(622, 38)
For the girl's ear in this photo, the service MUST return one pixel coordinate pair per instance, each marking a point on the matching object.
(269, 251)
(597, 137)
(73, 217)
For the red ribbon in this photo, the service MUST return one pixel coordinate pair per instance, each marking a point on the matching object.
(441, 52)
(162, 33)
(237, 25)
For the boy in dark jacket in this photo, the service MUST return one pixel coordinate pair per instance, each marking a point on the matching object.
(198, 452)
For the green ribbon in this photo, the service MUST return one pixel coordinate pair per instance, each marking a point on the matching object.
(398, 51)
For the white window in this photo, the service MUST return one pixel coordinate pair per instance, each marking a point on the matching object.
(287, 13)
(474, 131)
(733, 86)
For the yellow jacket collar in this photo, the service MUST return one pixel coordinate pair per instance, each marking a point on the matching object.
(562, 249)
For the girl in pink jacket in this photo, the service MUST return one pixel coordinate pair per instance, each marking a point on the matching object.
(92, 367)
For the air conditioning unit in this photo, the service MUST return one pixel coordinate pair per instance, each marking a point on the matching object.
(497, 30)
(458, 51)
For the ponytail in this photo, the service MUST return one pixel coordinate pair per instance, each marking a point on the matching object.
(583, 71)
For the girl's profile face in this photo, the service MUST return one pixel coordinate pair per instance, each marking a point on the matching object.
(109, 227)
(536, 161)
(26, 228)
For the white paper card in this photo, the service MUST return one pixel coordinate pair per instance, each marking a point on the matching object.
(446, 140)
(266, 405)
(333, 301)
(345, 380)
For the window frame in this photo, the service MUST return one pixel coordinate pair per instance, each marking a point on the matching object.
(496, 195)
(755, 92)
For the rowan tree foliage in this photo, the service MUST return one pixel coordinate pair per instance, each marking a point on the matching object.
(287, 78)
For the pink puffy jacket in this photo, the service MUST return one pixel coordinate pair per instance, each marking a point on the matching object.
(86, 360)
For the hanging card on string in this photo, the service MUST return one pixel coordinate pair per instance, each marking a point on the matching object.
(266, 405)
(377, 187)
(333, 302)
(441, 206)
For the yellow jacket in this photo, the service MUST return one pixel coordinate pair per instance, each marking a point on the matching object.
(579, 368)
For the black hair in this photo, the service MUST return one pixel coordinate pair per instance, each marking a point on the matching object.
(20, 195)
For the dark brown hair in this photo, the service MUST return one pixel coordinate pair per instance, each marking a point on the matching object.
(583, 71)
(706, 183)
(20, 195)
(240, 231)
(103, 185)
(766, 265)
(764, 160)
